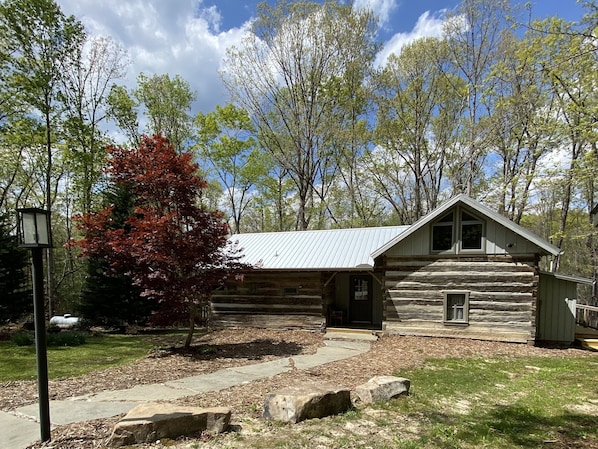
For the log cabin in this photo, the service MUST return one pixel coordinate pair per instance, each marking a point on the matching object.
(461, 271)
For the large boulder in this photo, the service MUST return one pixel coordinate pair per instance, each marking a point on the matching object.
(306, 401)
(382, 388)
(150, 422)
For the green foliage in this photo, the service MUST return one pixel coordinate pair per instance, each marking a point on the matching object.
(53, 339)
(123, 110)
(22, 338)
(66, 338)
(227, 146)
(418, 100)
(15, 293)
(167, 105)
(109, 299)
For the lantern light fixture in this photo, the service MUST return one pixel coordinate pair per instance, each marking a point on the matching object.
(34, 228)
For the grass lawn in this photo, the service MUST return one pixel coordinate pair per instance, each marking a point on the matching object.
(484, 402)
(466, 403)
(99, 352)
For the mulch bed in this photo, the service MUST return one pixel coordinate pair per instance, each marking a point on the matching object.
(235, 347)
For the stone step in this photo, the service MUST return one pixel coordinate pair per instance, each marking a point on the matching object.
(351, 334)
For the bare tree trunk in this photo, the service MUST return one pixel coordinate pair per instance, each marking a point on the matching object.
(192, 313)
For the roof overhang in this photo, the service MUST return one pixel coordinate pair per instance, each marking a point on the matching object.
(569, 278)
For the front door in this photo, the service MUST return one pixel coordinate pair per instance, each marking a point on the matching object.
(361, 301)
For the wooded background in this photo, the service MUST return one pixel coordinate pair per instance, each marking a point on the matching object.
(316, 134)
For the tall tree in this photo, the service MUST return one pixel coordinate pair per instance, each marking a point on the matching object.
(226, 143)
(123, 110)
(40, 40)
(282, 74)
(569, 64)
(417, 98)
(164, 101)
(522, 123)
(171, 246)
(87, 80)
(167, 107)
(473, 33)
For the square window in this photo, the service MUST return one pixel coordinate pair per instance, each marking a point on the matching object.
(456, 307)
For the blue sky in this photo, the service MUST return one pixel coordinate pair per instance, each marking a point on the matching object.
(190, 37)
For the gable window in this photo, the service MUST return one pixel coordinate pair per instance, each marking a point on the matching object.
(471, 232)
(456, 307)
(458, 231)
(442, 234)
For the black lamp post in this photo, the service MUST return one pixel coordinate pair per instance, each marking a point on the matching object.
(34, 233)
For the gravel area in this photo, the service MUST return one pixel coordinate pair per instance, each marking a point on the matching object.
(223, 349)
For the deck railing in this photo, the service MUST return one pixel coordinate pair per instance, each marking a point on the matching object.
(586, 316)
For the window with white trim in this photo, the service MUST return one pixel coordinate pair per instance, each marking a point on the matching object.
(457, 232)
(456, 307)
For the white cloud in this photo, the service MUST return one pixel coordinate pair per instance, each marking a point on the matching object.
(175, 37)
(427, 25)
(381, 8)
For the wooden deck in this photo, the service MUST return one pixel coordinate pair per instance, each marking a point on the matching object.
(587, 337)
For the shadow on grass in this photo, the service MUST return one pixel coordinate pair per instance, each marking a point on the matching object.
(519, 427)
(253, 350)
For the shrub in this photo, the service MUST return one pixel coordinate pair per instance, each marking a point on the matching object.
(67, 338)
(22, 339)
(55, 339)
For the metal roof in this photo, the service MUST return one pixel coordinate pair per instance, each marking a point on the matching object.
(569, 278)
(547, 247)
(332, 249)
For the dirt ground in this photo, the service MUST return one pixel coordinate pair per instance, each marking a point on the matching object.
(235, 347)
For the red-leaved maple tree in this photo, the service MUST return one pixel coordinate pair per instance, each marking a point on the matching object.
(171, 246)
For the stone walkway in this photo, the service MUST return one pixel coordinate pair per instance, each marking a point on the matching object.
(20, 428)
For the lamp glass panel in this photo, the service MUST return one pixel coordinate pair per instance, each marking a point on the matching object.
(42, 229)
(28, 230)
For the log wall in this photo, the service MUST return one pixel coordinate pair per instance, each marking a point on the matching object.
(502, 296)
(272, 300)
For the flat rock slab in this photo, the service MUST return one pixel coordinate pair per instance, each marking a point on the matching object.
(70, 411)
(141, 393)
(306, 401)
(382, 388)
(17, 432)
(147, 423)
